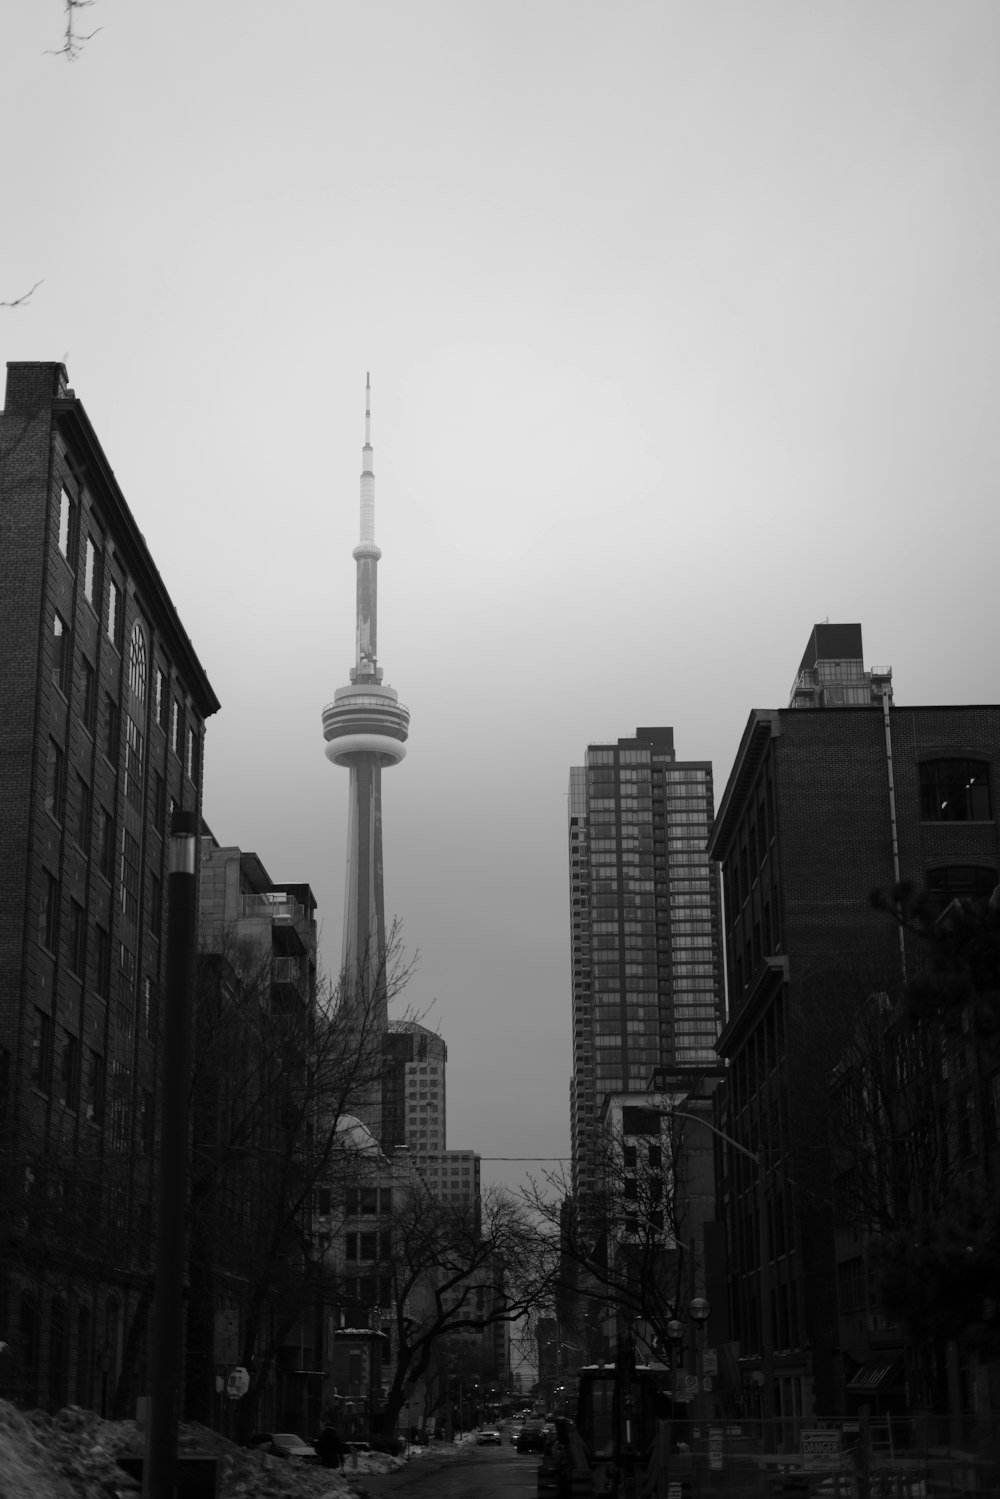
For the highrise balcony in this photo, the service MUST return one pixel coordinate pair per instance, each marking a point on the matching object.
(287, 917)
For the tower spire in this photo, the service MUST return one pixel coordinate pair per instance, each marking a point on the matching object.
(366, 728)
(368, 476)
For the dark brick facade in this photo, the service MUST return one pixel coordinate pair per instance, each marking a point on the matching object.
(804, 833)
(103, 705)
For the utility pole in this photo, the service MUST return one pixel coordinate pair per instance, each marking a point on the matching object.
(766, 1327)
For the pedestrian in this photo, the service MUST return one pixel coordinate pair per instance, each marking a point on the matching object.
(329, 1448)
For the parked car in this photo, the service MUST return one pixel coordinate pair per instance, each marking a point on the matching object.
(284, 1444)
(488, 1436)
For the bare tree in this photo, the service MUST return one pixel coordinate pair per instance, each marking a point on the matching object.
(456, 1269)
(73, 40)
(24, 298)
(276, 1077)
(958, 982)
(626, 1249)
(901, 1179)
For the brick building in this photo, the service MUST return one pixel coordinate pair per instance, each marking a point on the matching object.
(837, 795)
(254, 1022)
(104, 708)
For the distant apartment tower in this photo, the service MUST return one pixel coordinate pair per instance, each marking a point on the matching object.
(647, 987)
(414, 1082)
(104, 710)
(415, 1113)
(839, 794)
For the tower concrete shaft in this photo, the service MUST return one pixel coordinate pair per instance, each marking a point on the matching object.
(365, 728)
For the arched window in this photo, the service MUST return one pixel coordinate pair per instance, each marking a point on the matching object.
(137, 663)
(961, 882)
(109, 1355)
(58, 1354)
(28, 1336)
(84, 1356)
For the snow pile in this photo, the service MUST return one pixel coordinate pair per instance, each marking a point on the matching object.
(72, 1455)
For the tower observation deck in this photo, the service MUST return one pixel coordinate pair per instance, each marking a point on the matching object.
(365, 728)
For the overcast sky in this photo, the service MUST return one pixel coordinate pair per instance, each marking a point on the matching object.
(683, 322)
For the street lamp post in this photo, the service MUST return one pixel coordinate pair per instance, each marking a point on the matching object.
(699, 1310)
(766, 1329)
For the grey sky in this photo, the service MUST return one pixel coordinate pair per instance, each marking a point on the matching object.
(684, 331)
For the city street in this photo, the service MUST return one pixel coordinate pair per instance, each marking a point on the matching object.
(476, 1473)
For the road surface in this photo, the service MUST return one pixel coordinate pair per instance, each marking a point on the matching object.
(473, 1473)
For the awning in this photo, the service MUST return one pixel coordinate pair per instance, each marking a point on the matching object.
(878, 1371)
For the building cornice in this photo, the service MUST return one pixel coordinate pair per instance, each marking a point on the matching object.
(763, 725)
(74, 425)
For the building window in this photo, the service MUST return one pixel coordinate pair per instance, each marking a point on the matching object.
(955, 791)
(88, 702)
(851, 1285)
(129, 876)
(84, 1355)
(155, 904)
(351, 1247)
(175, 726)
(159, 802)
(77, 939)
(105, 841)
(95, 1090)
(116, 614)
(67, 525)
(41, 1051)
(55, 781)
(91, 571)
(159, 699)
(125, 997)
(112, 728)
(50, 911)
(133, 762)
(191, 760)
(149, 1007)
(70, 1072)
(102, 962)
(60, 652)
(137, 663)
(82, 812)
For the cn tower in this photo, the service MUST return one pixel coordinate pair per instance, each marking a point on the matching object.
(365, 728)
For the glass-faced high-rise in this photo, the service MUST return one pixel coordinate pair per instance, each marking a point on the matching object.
(647, 973)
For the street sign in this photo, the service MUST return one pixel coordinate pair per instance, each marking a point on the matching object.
(237, 1384)
(715, 1446)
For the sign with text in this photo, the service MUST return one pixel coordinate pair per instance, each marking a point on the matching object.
(820, 1449)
